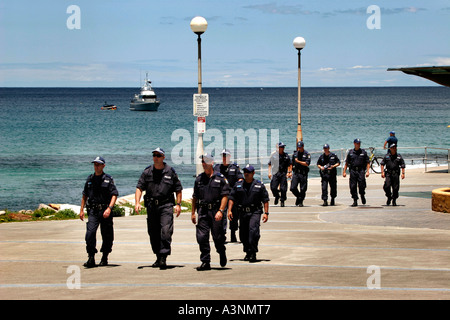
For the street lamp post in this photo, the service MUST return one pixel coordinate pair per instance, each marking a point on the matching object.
(299, 44)
(198, 26)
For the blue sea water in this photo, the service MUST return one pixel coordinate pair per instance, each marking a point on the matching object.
(49, 136)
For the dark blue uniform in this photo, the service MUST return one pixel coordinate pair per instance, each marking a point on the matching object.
(99, 190)
(280, 163)
(208, 192)
(357, 161)
(160, 186)
(248, 199)
(392, 166)
(328, 176)
(300, 175)
(232, 173)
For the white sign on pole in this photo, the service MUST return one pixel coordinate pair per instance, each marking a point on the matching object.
(201, 105)
(201, 124)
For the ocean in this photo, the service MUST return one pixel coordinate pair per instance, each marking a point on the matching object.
(49, 136)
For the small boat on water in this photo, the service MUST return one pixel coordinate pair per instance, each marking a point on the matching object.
(146, 100)
(107, 106)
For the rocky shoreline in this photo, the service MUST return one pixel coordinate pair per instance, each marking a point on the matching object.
(126, 203)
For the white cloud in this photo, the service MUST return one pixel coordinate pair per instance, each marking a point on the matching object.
(442, 61)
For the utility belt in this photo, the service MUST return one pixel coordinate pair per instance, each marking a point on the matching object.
(301, 171)
(355, 168)
(96, 206)
(249, 209)
(157, 202)
(392, 172)
(208, 205)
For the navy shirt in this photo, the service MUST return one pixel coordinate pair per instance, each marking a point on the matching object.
(159, 183)
(393, 163)
(100, 189)
(249, 194)
(211, 189)
(230, 171)
(301, 156)
(330, 159)
(280, 162)
(357, 159)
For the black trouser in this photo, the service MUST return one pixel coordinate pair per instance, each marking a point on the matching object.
(332, 181)
(391, 184)
(279, 179)
(160, 228)
(302, 180)
(206, 224)
(95, 218)
(357, 181)
(249, 231)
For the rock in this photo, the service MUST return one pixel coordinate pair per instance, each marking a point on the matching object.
(54, 206)
(44, 206)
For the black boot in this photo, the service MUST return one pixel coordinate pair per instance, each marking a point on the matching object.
(394, 202)
(252, 257)
(282, 203)
(223, 259)
(104, 261)
(90, 263)
(156, 264)
(204, 266)
(363, 199)
(325, 203)
(332, 202)
(162, 263)
(355, 203)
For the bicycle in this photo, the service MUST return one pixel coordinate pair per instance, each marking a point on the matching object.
(374, 161)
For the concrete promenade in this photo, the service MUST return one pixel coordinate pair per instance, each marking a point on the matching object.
(313, 252)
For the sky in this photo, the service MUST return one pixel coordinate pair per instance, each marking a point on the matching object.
(114, 43)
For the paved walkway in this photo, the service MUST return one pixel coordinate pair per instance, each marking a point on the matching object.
(312, 252)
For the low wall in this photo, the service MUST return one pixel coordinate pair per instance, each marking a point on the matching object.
(440, 200)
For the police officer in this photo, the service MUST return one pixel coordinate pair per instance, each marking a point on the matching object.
(232, 173)
(99, 196)
(249, 196)
(391, 165)
(327, 163)
(301, 159)
(280, 168)
(160, 182)
(392, 139)
(358, 162)
(210, 197)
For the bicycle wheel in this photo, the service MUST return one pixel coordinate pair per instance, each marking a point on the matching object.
(375, 165)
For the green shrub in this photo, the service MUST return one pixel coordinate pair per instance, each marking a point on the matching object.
(65, 214)
(39, 213)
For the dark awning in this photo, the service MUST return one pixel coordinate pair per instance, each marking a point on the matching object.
(439, 75)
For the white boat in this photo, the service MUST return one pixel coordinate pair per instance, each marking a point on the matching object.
(146, 100)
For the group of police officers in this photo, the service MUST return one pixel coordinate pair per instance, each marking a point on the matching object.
(221, 191)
